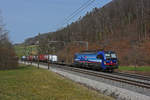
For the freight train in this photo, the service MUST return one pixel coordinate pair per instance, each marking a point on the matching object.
(101, 60)
(41, 58)
(97, 59)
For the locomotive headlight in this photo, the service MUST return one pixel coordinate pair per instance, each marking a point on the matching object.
(104, 62)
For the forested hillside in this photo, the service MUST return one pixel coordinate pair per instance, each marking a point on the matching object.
(121, 25)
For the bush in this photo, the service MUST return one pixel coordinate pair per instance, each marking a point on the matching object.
(8, 59)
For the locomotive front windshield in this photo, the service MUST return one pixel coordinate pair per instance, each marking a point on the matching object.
(110, 56)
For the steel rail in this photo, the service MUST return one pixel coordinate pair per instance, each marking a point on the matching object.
(104, 75)
(128, 75)
(141, 77)
(110, 77)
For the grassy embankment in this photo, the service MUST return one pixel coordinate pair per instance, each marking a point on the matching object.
(132, 68)
(20, 50)
(30, 83)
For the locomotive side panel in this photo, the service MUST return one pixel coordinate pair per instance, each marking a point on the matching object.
(104, 60)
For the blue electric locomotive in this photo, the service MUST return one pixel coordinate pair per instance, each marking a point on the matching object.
(102, 60)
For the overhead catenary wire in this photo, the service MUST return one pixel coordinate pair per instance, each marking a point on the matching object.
(77, 11)
(79, 8)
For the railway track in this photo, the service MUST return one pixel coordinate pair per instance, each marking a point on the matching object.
(110, 76)
(126, 78)
(128, 75)
(136, 76)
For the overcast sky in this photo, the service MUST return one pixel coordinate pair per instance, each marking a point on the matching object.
(26, 18)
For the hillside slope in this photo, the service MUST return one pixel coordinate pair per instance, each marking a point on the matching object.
(121, 25)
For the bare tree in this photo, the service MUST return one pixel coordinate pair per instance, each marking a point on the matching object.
(8, 58)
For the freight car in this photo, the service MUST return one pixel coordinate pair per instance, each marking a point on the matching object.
(41, 58)
(52, 58)
(101, 60)
(23, 58)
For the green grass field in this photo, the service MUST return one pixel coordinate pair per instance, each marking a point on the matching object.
(132, 68)
(20, 50)
(30, 83)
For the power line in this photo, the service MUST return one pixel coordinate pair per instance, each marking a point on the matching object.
(79, 8)
(76, 12)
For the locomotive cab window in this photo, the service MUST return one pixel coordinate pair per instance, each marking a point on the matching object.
(100, 57)
(110, 56)
(113, 55)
